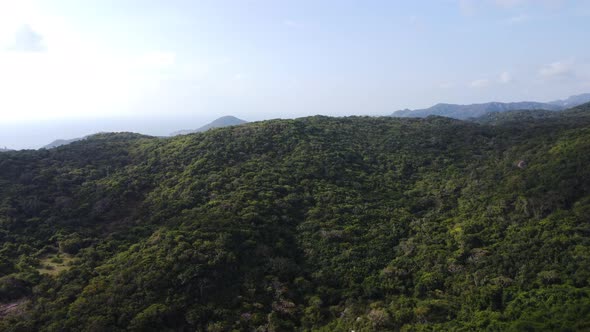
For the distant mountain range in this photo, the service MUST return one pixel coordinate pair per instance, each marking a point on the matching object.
(463, 112)
(224, 121)
(480, 112)
(521, 118)
(572, 101)
(4, 150)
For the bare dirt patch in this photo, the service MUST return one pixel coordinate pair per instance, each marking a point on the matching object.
(13, 308)
(53, 264)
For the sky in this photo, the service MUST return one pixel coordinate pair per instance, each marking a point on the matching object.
(69, 68)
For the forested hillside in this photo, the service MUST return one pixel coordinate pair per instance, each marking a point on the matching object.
(319, 223)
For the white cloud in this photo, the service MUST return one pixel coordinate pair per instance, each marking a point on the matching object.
(557, 69)
(293, 24)
(45, 85)
(549, 4)
(446, 85)
(159, 59)
(509, 3)
(505, 78)
(481, 83)
(517, 19)
(27, 40)
(467, 7)
(472, 7)
(73, 78)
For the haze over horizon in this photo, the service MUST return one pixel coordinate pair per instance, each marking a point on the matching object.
(70, 68)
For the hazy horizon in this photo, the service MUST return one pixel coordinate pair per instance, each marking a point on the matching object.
(36, 134)
(70, 68)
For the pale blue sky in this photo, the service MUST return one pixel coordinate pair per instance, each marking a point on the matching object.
(158, 66)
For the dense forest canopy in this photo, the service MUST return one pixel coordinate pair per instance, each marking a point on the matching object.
(315, 224)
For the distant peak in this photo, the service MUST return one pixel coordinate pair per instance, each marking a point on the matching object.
(224, 121)
(229, 117)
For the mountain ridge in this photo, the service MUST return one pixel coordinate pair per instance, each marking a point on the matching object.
(463, 112)
(572, 101)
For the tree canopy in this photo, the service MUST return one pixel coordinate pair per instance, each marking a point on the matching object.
(313, 224)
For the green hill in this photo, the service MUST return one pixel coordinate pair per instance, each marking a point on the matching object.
(319, 223)
(224, 121)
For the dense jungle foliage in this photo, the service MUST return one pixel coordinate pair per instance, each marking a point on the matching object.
(313, 224)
